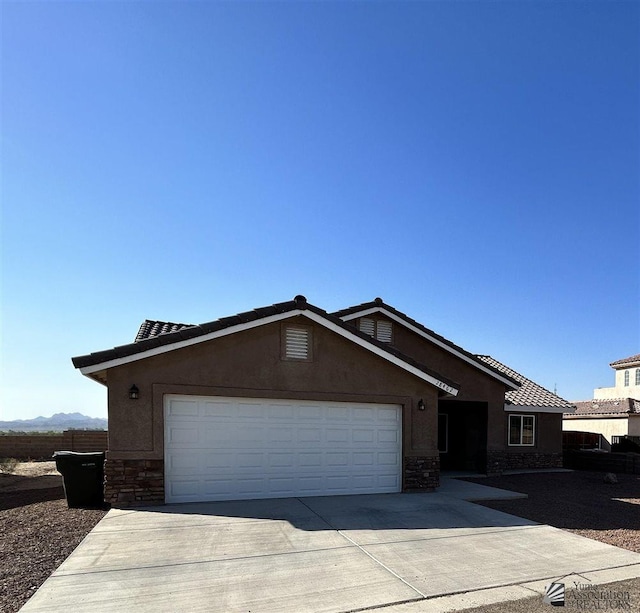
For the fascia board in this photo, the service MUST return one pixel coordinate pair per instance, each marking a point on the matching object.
(382, 353)
(516, 408)
(435, 341)
(89, 370)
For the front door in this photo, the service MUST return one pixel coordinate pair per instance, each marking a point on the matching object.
(462, 435)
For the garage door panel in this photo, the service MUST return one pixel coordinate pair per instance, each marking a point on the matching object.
(251, 486)
(184, 463)
(388, 459)
(309, 435)
(281, 460)
(387, 435)
(281, 434)
(363, 459)
(337, 435)
(227, 448)
(363, 436)
(310, 460)
(182, 436)
(277, 412)
(185, 408)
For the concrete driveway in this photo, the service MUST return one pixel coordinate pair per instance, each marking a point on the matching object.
(404, 552)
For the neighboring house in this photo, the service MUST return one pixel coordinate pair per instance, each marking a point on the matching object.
(289, 400)
(614, 411)
(609, 418)
(627, 382)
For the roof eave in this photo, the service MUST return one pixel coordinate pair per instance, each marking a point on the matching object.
(518, 408)
(315, 314)
(369, 309)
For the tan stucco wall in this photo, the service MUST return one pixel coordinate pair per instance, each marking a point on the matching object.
(548, 434)
(619, 390)
(474, 385)
(607, 426)
(249, 364)
(634, 425)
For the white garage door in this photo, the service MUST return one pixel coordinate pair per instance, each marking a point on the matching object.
(238, 448)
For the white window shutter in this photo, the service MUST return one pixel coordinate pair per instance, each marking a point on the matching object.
(384, 329)
(367, 326)
(297, 343)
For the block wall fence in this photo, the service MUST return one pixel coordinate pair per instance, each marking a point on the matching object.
(42, 446)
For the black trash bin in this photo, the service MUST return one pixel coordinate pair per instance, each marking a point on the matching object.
(82, 476)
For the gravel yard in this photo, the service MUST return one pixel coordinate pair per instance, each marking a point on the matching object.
(38, 531)
(576, 501)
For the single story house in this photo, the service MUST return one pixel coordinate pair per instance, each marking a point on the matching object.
(609, 418)
(290, 400)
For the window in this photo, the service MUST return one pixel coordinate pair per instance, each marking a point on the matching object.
(296, 343)
(637, 376)
(521, 430)
(626, 378)
(379, 329)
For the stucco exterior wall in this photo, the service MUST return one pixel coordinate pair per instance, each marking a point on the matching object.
(619, 390)
(474, 384)
(607, 426)
(249, 364)
(634, 425)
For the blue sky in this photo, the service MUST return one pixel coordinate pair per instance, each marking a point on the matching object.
(475, 164)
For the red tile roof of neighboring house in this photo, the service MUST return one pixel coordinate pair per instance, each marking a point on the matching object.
(530, 393)
(607, 407)
(634, 359)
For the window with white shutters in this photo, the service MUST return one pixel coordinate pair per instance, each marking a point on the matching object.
(377, 328)
(297, 343)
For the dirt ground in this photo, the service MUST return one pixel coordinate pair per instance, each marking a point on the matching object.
(577, 501)
(38, 531)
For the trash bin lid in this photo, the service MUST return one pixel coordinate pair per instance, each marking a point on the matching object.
(82, 454)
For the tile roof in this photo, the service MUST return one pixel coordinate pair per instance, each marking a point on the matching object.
(188, 332)
(151, 328)
(379, 303)
(627, 361)
(530, 393)
(607, 407)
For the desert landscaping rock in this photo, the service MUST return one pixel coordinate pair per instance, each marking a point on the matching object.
(37, 530)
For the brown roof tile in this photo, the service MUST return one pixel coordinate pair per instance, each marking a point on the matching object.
(167, 333)
(530, 393)
(379, 303)
(151, 328)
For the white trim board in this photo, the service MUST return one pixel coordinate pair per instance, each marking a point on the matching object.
(430, 338)
(516, 408)
(88, 370)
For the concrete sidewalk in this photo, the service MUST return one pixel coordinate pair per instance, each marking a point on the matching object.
(409, 552)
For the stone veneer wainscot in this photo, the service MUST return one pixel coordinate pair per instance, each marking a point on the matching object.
(134, 482)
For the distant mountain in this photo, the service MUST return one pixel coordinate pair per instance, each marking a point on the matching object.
(57, 422)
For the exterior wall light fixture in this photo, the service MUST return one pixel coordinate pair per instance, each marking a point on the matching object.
(134, 392)
(421, 405)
